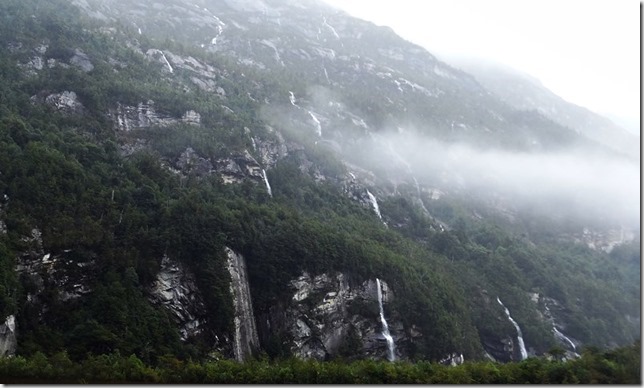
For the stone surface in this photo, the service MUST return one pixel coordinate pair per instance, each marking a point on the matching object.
(246, 340)
(329, 315)
(8, 340)
(175, 289)
(81, 60)
(65, 102)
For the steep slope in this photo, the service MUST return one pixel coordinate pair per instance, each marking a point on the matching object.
(526, 93)
(383, 80)
(167, 198)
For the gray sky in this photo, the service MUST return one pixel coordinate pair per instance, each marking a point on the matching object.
(586, 51)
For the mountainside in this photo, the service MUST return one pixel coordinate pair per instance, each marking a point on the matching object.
(526, 93)
(245, 179)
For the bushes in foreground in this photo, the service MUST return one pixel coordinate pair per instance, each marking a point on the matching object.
(618, 366)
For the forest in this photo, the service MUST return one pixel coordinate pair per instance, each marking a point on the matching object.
(65, 176)
(618, 366)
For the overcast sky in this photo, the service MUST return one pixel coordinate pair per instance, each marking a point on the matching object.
(586, 51)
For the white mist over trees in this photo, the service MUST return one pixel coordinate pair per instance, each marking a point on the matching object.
(581, 180)
(587, 183)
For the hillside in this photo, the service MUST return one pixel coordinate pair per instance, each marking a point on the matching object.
(243, 180)
(526, 93)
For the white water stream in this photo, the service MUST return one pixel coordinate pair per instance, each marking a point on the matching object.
(374, 204)
(385, 327)
(560, 336)
(524, 353)
(167, 63)
(318, 126)
(268, 185)
(291, 97)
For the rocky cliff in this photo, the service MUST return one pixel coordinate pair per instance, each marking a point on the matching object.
(246, 341)
(329, 316)
(235, 178)
(8, 337)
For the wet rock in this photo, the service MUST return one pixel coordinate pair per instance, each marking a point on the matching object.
(191, 117)
(246, 340)
(144, 115)
(190, 162)
(328, 315)
(65, 102)
(81, 60)
(8, 341)
(176, 290)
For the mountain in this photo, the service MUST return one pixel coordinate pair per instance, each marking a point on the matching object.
(524, 92)
(241, 179)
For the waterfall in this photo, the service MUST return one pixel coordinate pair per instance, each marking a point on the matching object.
(524, 353)
(335, 33)
(374, 203)
(385, 327)
(420, 198)
(268, 185)
(291, 97)
(409, 170)
(318, 126)
(167, 63)
(561, 337)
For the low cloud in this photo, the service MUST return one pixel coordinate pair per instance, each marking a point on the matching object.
(588, 183)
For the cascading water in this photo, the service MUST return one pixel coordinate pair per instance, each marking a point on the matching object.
(561, 337)
(374, 204)
(524, 353)
(385, 327)
(167, 63)
(268, 185)
(318, 126)
(420, 198)
(291, 97)
(393, 151)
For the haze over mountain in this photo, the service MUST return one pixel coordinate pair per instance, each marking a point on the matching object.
(239, 179)
(527, 93)
(590, 60)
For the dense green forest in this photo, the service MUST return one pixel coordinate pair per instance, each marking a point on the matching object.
(618, 366)
(64, 176)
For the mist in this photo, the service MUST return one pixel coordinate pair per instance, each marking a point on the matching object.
(581, 183)
(578, 181)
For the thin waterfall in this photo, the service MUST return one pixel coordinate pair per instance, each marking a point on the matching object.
(167, 63)
(524, 353)
(374, 204)
(318, 126)
(409, 170)
(385, 327)
(561, 337)
(291, 98)
(268, 185)
(420, 198)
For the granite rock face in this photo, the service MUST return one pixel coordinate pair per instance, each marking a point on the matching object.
(246, 340)
(8, 341)
(330, 315)
(176, 290)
